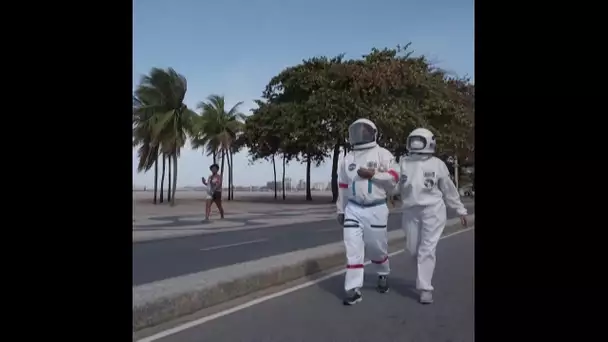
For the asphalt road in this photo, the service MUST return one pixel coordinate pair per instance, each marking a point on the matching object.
(316, 313)
(162, 259)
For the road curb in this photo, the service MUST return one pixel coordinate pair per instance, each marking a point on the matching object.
(161, 302)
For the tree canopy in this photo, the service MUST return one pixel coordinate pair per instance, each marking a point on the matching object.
(307, 108)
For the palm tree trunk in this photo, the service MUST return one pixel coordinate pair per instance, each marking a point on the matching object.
(222, 166)
(232, 175)
(308, 194)
(274, 168)
(334, 174)
(162, 181)
(283, 181)
(229, 176)
(169, 178)
(214, 157)
(174, 177)
(155, 178)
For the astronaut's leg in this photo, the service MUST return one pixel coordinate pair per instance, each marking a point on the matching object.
(433, 223)
(355, 253)
(410, 223)
(375, 235)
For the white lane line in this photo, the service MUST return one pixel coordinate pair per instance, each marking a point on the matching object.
(232, 310)
(336, 229)
(233, 245)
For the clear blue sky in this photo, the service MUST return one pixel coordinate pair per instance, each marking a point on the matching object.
(234, 47)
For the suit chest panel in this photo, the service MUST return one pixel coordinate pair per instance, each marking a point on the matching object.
(419, 174)
(352, 165)
(361, 186)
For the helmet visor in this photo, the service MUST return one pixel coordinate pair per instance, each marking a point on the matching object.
(416, 143)
(361, 133)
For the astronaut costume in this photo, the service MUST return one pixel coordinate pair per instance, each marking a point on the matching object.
(362, 206)
(424, 184)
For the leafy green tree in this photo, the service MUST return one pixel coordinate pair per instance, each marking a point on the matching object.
(308, 107)
(325, 83)
(172, 120)
(262, 135)
(216, 130)
(308, 133)
(400, 92)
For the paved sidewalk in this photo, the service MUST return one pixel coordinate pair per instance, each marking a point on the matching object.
(193, 202)
(161, 221)
(258, 216)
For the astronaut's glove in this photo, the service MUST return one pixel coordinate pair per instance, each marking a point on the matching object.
(341, 219)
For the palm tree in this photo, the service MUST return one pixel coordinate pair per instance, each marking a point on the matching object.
(172, 120)
(143, 138)
(216, 131)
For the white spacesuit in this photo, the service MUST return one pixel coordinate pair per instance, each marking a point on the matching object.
(366, 177)
(424, 185)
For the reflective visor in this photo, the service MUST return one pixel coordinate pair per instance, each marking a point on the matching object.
(361, 133)
(416, 143)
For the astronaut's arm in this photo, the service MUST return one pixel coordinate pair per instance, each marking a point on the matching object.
(389, 177)
(342, 188)
(450, 193)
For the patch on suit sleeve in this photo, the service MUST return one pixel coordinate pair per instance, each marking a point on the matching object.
(352, 166)
(429, 174)
(403, 179)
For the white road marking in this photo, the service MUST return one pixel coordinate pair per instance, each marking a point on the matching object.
(220, 314)
(335, 229)
(233, 245)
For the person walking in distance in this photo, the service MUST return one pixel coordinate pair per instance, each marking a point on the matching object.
(424, 183)
(214, 186)
(366, 179)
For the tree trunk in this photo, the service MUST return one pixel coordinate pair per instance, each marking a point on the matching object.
(222, 166)
(169, 178)
(274, 168)
(214, 157)
(228, 161)
(232, 175)
(162, 181)
(283, 181)
(155, 178)
(308, 194)
(174, 177)
(334, 174)
(456, 179)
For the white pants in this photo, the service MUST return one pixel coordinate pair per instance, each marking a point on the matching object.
(423, 227)
(365, 227)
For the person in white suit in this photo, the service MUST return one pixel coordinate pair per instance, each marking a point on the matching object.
(366, 178)
(425, 187)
